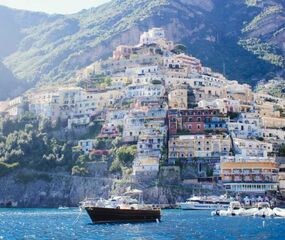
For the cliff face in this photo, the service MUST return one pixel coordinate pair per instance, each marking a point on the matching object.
(33, 189)
(219, 32)
(27, 188)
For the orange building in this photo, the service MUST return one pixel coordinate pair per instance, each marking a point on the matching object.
(250, 174)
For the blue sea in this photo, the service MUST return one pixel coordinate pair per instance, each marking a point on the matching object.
(29, 224)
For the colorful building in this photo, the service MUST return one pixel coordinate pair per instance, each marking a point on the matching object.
(194, 147)
(195, 121)
(249, 174)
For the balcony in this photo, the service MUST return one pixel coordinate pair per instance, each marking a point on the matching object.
(257, 179)
(237, 179)
(247, 178)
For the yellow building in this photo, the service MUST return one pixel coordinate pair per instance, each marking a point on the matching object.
(267, 110)
(239, 92)
(120, 80)
(272, 122)
(100, 99)
(199, 146)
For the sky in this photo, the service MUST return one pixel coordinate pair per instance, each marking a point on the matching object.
(52, 6)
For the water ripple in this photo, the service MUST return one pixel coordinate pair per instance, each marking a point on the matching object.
(30, 224)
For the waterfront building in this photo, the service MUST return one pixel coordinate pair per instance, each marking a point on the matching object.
(249, 174)
(281, 178)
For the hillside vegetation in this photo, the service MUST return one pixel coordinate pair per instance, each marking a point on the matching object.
(244, 36)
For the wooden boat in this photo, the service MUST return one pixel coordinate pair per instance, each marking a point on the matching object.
(122, 209)
(118, 215)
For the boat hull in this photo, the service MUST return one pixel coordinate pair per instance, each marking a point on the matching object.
(114, 215)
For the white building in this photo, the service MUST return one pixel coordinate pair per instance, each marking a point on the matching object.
(152, 36)
(146, 90)
(248, 125)
(79, 120)
(141, 70)
(252, 148)
(146, 165)
(224, 105)
(87, 145)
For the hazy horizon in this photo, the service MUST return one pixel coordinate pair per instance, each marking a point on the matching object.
(52, 6)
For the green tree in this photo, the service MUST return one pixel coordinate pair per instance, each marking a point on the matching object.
(180, 48)
(126, 155)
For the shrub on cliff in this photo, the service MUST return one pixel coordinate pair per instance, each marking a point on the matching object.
(25, 141)
(126, 155)
(79, 171)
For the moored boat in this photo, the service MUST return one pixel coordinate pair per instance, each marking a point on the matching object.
(234, 209)
(122, 215)
(122, 209)
(279, 212)
(205, 203)
(264, 210)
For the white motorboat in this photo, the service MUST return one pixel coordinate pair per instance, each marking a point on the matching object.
(234, 209)
(205, 203)
(279, 212)
(250, 211)
(264, 210)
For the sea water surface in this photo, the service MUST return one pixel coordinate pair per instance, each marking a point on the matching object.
(176, 224)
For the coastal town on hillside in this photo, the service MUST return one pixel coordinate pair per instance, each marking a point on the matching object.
(175, 112)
